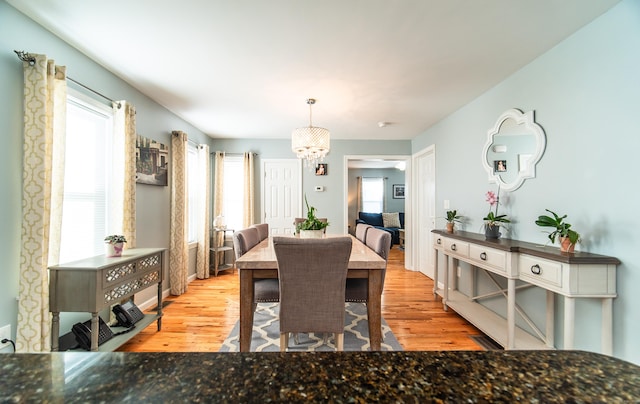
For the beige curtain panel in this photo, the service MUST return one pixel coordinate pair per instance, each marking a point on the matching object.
(178, 249)
(247, 217)
(202, 255)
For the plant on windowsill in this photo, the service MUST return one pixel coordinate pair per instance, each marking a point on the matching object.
(452, 218)
(311, 227)
(115, 245)
(568, 237)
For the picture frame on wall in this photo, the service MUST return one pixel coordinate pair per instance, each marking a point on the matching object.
(398, 191)
(500, 166)
(322, 169)
(152, 162)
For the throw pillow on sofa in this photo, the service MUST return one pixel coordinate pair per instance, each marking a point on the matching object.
(391, 219)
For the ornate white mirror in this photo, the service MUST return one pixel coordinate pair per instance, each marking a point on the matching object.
(514, 147)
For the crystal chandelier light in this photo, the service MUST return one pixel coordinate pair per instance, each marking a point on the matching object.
(310, 143)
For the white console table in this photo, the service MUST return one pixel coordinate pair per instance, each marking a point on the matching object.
(92, 284)
(572, 275)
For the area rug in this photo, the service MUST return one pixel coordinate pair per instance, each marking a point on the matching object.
(266, 333)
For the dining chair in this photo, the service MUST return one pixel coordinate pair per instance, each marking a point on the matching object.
(263, 230)
(312, 274)
(361, 231)
(264, 290)
(357, 290)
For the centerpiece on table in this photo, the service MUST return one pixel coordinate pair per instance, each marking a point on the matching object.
(311, 227)
(115, 245)
(493, 220)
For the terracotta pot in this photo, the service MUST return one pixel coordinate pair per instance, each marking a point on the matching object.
(450, 227)
(566, 245)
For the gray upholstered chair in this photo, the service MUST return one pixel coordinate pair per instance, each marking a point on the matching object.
(263, 230)
(264, 290)
(357, 290)
(312, 275)
(361, 231)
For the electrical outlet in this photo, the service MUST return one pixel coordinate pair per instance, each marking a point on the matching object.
(5, 332)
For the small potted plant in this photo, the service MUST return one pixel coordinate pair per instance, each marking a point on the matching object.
(452, 218)
(566, 235)
(115, 245)
(311, 227)
(493, 221)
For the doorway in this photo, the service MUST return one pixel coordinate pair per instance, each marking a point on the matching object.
(281, 192)
(379, 162)
(424, 197)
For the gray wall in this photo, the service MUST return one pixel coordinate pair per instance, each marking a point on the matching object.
(586, 95)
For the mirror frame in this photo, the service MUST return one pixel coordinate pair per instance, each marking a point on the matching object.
(526, 119)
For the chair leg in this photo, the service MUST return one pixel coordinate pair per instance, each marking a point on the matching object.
(340, 342)
(284, 341)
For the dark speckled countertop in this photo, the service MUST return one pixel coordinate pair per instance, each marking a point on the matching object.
(447, 376)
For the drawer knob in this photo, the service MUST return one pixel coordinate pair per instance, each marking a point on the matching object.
(453, 247)
(439, 241)
(483, 256)
(535, 269)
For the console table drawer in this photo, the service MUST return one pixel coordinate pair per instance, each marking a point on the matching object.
(488, 257)
(540, 272)
(456, 247)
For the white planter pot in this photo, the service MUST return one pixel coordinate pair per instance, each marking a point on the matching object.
(114, 249)
(311, 233)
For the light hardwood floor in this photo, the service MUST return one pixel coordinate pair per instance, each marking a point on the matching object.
(199, 320)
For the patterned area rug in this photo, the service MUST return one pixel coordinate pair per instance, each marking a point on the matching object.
(266, 333)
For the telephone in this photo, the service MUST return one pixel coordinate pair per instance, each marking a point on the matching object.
(127, 314)
(82, 331)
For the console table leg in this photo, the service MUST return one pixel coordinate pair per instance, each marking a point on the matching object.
(569, 321)
(607, 326)
(55, 331)
(511, 313)
(435, 273)
(445, 296)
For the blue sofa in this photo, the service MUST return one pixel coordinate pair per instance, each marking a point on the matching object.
(375, 220)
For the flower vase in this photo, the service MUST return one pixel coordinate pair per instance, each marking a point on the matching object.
(449, 227)
(566, 245)
(114, 249)
(492, 231)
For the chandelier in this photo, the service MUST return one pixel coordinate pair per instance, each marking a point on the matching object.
(310, 143)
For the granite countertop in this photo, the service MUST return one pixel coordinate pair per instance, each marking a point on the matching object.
(440, 376)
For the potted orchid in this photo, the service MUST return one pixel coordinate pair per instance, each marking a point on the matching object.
(311, 227)
(567, 236)
(493, 220)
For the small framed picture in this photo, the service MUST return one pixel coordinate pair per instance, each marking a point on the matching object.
(499, 166)
(398, 191)
(321, 169)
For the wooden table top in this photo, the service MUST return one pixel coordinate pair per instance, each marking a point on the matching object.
(263, 256)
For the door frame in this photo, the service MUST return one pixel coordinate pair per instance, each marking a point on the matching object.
(429, 150)
(408, 202)
(262, 175)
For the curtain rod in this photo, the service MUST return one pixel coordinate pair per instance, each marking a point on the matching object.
(233, 154)
(27, 57)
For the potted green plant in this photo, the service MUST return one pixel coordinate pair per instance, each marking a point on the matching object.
(493, 220)
(311, 226)
(566, 235)
(115, 245)
(452, 218)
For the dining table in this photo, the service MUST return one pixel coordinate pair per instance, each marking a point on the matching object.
(260, 263)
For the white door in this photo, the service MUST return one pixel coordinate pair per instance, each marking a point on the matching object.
(424, 211)
(281, 194)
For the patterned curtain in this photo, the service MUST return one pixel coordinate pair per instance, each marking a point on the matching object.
(247, 214)
(178, 249)
(384, 194)
(359, 194)
(217, 192)
(202, 255)
(42, 191)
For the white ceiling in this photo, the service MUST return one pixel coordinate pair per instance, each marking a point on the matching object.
(244, 68)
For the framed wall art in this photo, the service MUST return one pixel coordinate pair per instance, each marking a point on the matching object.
(398, 191)
(321, 169)
(152, 162)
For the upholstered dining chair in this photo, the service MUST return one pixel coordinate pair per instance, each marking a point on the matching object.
(361, 231)
(264, 290)
(312, 275)
(357, 290)
(263, 230)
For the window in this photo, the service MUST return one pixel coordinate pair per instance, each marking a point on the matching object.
(87, 182)
(372, 195)
(233, 192)
(194, 173)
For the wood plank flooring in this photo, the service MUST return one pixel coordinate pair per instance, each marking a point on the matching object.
(200, 320)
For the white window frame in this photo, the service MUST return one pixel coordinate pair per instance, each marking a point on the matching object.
(372, 187)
